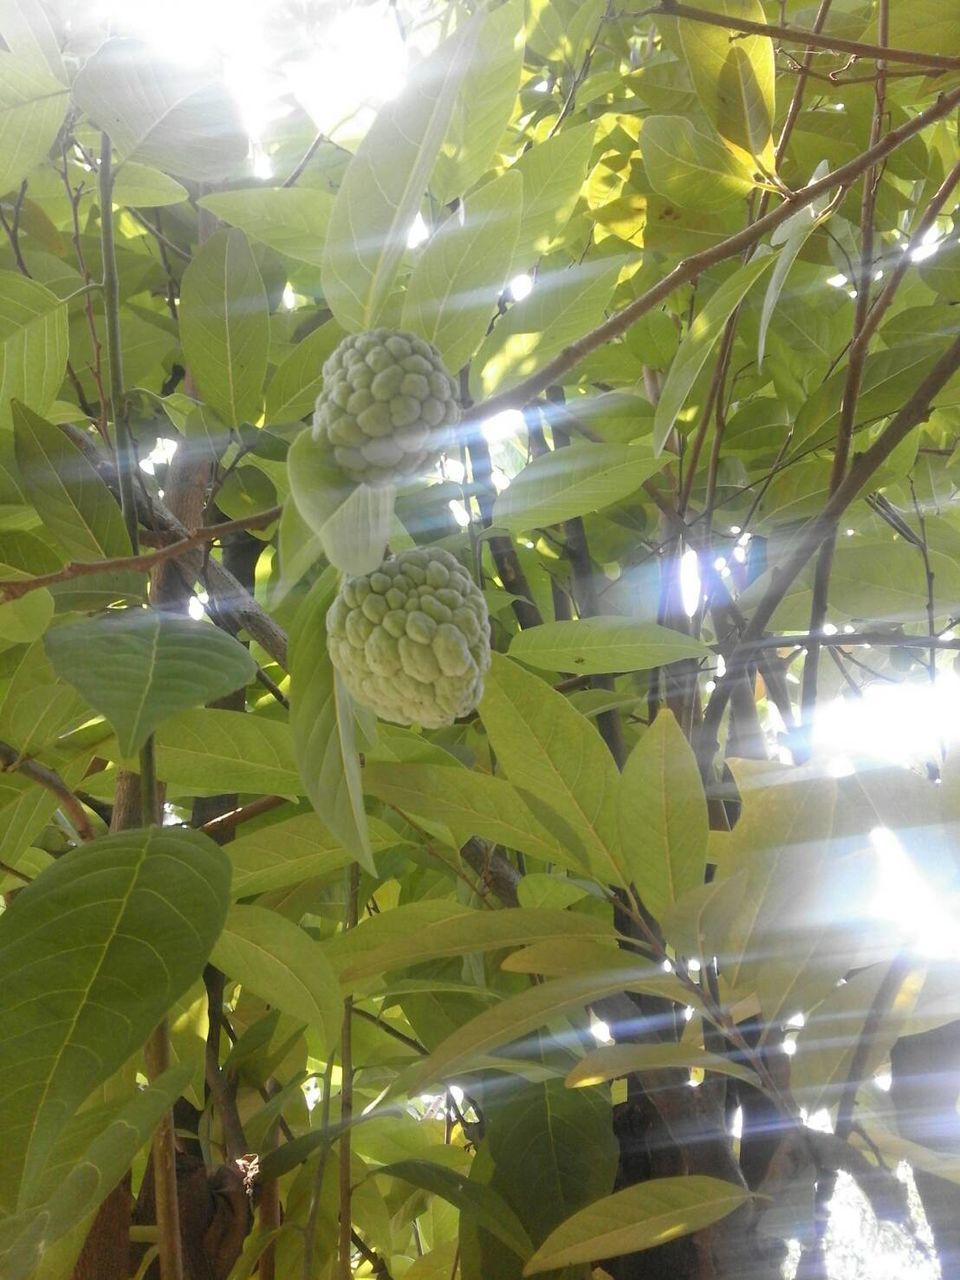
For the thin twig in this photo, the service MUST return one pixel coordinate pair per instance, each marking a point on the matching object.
(810, 39)
(14, 588)
(11, 761)
(346, 1093)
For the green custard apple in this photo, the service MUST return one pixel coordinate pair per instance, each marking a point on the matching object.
(387, 408)
(412, 639)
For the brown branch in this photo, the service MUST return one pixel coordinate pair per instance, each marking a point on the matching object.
(856, 361)
(808, 539)
(811, 39)
(688, 270)
(14, 588)
(11, 761)
(230, 821)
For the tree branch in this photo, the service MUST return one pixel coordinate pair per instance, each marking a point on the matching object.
(554, 370)
(11, 761)
(812, 39)
(14, 588)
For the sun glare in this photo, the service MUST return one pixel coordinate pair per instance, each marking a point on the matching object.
(352, 59)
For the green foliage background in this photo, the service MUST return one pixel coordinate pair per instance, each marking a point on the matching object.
(376, 954)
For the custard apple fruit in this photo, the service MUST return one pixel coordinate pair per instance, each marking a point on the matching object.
(387, 407)
(411, 640)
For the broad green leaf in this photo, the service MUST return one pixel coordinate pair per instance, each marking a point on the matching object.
(481, 1203)
(85, 1179)
(209, 751)
(141, 910)
(452, 294)
(297, 380)
(564, 304)
(541, 889)
(553, 172)
(700, 340)
(33, 90)
(26, 619)
(734, 78)
(356, 534)
(470, 804)
(573, 482)
(321, 721)
(553, 1151)
(519, 1014)
(143, 187)
(611, 1062)
(353, 521)
(564, 959)
(663, 816)
(140, 666)
(484, 103)
(384, 185)
(690, 168)
(594, 646)
(826, 1045)
(466, 931)
(297, 849)
(550, 751)
(793, 235)
(638, 1217)
(33, 344)
(299, 549)
(36, 705)
(163, 114)
(283, 965)
(225, 326)
(292, 220)
(942, 272)
(71, 499)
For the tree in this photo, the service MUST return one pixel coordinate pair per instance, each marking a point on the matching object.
(291, 990)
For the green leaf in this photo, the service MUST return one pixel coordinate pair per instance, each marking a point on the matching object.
(469, 803)
(699, 342)
(210, 751)
(292, 220)
(33, 90)
(549, 750)
(300, 848)
(33, 344)
(353, 521)
(143, 187)
(141, 911)
(595, 646)
(663, 816)
(384, 185)
(453, 291)
(519, 1014)
(484, 103)
(734, 78)
(162, 114)
(463, 932)
(297, 380)
(225, 326)
(140, 666)
(26, 619)
(553, 172)
(565, 303)
(72, 501)
(690, 168)
(280, 963)
(321, 721)
(793, 235)
(480, 1203)
(84, 1179)
(573, 482)
(611, 1062)
(639, 1217)
(942, 272)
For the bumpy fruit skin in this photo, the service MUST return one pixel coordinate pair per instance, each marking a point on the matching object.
(411, 640)
(387, 407)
